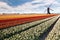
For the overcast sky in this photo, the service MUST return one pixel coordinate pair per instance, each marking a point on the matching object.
(29, 6)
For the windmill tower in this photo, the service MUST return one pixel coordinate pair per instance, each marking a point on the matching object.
(48, 10)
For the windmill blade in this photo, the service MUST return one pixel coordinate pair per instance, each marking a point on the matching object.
(44, 10)
(51, 9)
(50, 5)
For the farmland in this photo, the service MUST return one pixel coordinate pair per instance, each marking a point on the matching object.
(11, 20)
(29, 27)
(55, 33)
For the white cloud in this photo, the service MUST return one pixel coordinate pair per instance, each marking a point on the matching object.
(4, 5)
(27, 7)
(56, 10)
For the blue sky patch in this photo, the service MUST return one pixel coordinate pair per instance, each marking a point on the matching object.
(16, 2)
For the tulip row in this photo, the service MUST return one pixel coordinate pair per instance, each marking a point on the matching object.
(32, 33)
(55, 33)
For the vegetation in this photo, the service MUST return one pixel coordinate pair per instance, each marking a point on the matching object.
(30, 34)
(18, 28)
(55, 33)
(28, 31)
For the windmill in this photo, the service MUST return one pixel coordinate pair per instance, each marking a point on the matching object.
(48, 9)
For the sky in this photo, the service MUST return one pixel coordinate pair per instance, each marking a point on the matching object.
(29, 6)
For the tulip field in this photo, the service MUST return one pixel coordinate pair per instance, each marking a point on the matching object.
(55, 33)
(30, 27)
